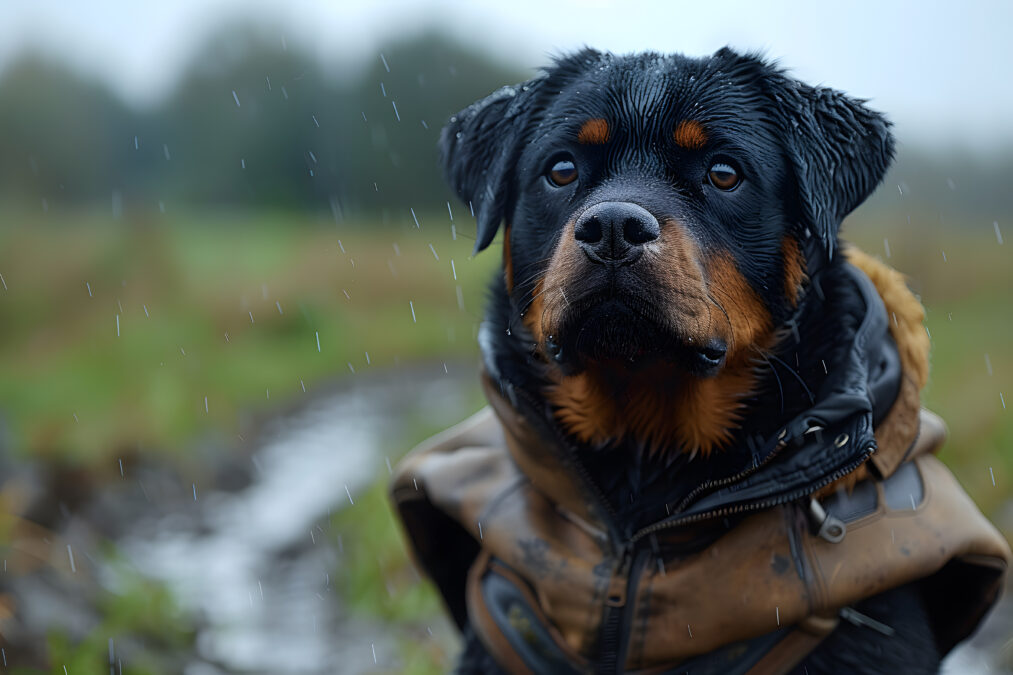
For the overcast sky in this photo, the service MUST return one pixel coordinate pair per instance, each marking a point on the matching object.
(939, 69)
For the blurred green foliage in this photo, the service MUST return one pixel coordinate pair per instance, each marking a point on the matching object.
(140, 627)
(258, 123)
(125, 338)
(964, 279)
(375, 580)
(144, 615)
(300, 137)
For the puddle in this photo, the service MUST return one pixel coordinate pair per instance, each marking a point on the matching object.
(250, 562)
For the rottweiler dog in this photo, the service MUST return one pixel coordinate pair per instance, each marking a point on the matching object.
(663, 217)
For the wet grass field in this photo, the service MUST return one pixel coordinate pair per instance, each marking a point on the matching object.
(139, 335)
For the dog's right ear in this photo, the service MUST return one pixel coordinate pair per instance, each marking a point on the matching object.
(479, 148)
(838, 147)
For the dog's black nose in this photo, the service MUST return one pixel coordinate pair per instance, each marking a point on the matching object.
(614, 232)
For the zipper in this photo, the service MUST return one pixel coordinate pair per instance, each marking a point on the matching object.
(617, 623)
(625, 548)
(721, 482)
(753, 506)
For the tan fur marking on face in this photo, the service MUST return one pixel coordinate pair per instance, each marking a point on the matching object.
(679, 277)
(794, 270)
(743, 310)
(508, 263)
(690, 134)
(662, 407)
(595, 131)
(564, 269)
(532, 318)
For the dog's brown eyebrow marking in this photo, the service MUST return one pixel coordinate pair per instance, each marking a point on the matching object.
(595, 131)
(690, 134)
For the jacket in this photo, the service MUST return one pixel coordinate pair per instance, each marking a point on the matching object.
(500, 515)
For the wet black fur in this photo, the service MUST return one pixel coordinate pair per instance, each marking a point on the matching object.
(808, 157)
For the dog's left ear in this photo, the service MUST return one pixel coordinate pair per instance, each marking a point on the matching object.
(479, 148)
(839, 148)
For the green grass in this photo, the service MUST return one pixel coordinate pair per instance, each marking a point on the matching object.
(183, 291)
(376, 579)
(965, 279)
(140, 619)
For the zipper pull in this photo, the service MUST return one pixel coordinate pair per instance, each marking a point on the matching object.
(655, 549)
(827, 525)
(625, 559)
(857, 618)
(616, 596)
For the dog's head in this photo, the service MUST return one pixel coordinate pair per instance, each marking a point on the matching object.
(661, 211)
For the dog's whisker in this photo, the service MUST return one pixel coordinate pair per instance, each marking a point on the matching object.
(541, 267)
(534, 296)
(780, 387)
(535, 275)
(796, 375)
(717, 304)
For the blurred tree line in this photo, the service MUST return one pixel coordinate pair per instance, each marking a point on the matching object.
(254, 123)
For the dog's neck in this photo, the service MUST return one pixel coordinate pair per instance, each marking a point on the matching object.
(638, 477)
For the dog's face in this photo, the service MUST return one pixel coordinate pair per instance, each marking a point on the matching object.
(662, 212)
(657, 196)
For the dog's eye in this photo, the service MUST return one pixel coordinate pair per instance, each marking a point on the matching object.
(723, 177)
(563, 173)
